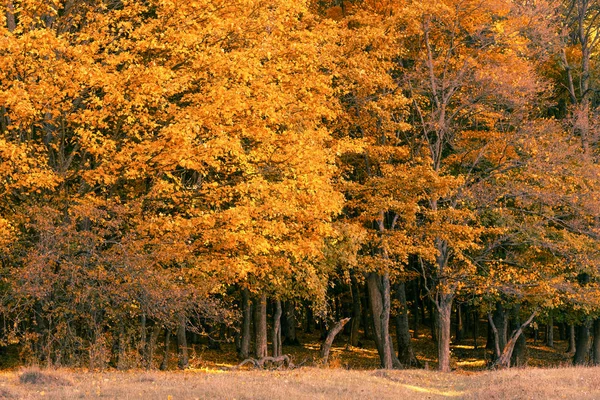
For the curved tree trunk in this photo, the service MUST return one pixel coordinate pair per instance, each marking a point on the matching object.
(504, 358)
(326, 345)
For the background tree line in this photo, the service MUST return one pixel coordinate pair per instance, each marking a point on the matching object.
(195, 169)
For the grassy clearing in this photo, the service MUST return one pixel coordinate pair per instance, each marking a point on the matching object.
(305, 383)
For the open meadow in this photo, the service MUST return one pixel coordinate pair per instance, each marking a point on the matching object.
(303, 383)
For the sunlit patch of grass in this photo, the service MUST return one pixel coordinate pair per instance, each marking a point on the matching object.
(471, 364)
(425, 390)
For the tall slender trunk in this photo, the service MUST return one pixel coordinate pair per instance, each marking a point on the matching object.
(571, 337)
(260, 326)
(143, 338)
(276, 339)
(550, 332)
(459, 323)
(417, 300)
(444, 314)
(475, 327)
(152, 346)
(246, 324)
(288, 328)
(519, 356)
(387, 346)
(165, 362)
(182, 350)
(405, 351)
(356, 312)
(379, 297)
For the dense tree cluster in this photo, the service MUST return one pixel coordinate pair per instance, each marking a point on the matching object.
(200, 168)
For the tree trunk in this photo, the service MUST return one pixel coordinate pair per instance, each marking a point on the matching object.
(152, 346)
(276, 339)
(416, 319)
(503, 360)
(596, 342)
(165, 362)
(246, 324)
(444, 313)
(326, 346)
(475, 327)
(182, 350)
(459, 323)
(367, 321)
(288, 328)
(571, 334)
(310, 319)
(143, 340)
(519, 356)
(406, 355)
(582, 346)
(501, 323)
(260, 326)
(433, 321)
(356, 312)
(550, 332)
(379, 297)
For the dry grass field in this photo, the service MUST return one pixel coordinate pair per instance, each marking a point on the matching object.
(303, 383)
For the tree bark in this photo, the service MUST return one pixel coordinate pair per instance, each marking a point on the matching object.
(416, 319)
(152, 346)
(571, 335)
(550, 332)
(582, 346)
(596, 343)
(260, 326)
(459, 323)
(276, 339)
(326, 346)
(475, 327)
(288, 328)
(356, 312)
(310, 319)
(501, 323)
(379, 297)
(165, 362)
(504, 358)
(444, 313)
(519, 356)
(246, 324)
(182, 349)
(406, 354)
